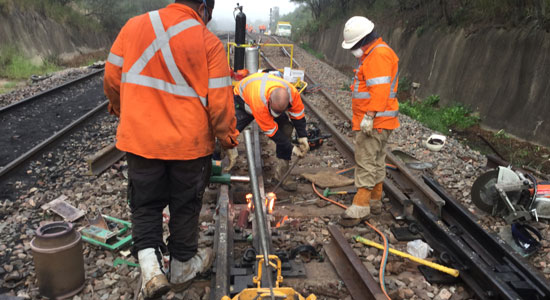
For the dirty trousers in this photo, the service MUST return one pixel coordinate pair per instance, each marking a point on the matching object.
(370, 158)
(283, 149)
(152, 185)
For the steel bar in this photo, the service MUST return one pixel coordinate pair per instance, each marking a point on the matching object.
(359, 282)
(104, 159)
(223, 245)
(21, 159)
(50, 91)
(259, 208)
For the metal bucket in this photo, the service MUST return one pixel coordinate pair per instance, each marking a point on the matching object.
(58, 260)
(251, 61)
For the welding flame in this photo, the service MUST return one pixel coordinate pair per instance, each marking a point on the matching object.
(249, 201)
(270, 202)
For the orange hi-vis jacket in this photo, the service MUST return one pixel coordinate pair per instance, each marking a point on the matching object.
(256, 90)
(168, 79)
(375, 87)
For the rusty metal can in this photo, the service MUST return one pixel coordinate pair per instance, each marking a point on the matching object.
(58, 260)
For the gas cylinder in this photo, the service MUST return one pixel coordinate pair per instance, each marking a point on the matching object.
(240, 38)
(252, 59)
(58, 260)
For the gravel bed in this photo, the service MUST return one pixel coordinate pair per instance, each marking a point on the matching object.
(27, 125)
(31, 89)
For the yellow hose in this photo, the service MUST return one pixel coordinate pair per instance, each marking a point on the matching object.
(450, 271)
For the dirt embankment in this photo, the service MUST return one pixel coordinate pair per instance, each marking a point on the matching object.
(501, 73)
(39, 37)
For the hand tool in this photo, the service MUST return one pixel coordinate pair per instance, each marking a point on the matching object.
(286, 174)
(450, 271)
(327, 192)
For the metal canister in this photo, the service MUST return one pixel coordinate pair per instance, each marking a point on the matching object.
(58, 260)
(251, 59)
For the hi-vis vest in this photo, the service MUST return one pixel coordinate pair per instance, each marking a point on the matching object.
(375, 87)
(168, 78)
(256, 90)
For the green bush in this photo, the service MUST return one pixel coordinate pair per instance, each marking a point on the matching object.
(438, 118)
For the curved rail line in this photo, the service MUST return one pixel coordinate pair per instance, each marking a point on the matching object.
(487, 265)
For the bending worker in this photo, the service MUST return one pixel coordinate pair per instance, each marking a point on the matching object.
(375, 110)
(266, 98)
(168, 80)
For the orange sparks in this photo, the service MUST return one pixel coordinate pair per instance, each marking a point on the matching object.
(282, 222)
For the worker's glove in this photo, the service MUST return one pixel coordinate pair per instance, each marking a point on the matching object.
(299, 153)
(232, 156)
(366, 124)
(302, 148)
(303, 144)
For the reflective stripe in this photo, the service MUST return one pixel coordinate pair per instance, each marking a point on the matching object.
(115, 59)
(296, 114)
(393, 95)
(165, 49)
(262, 89)
(271, 131)
(378, 80)
(162, 85)
(159, 42)
(388, 113)
(393, 83)
(220, 82)
(162, 43)
(361, 95)
(243, 85)
(247, 109)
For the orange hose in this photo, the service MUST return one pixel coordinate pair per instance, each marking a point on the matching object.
(384, 256)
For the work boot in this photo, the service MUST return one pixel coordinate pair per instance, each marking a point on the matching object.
(153, 281)
(359, 209)
(183, 273)
(280, 170)
(376, 199)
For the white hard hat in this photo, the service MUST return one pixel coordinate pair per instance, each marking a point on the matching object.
(355, 29)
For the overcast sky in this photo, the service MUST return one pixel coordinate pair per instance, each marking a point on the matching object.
(255, 10)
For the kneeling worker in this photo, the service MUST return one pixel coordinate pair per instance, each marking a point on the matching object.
(266, 98)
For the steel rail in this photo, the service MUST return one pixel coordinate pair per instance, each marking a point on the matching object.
(493, 272)
(223, 245)
(350, 268)
(259, 209)
(50, 91)
(58, 135)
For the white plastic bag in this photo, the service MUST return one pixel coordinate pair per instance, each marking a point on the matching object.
(419, 249)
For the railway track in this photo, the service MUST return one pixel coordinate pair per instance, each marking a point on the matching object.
(30, 125)
(487, 266)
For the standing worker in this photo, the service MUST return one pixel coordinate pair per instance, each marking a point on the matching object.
(266, 98)
(375, 109)
(167, 78)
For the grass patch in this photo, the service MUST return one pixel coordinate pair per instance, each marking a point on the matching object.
(438, 118)
(13, 65)
(7, 87)
(312, 51)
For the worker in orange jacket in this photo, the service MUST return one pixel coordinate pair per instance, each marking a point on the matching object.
(168, 80)
(266, 98)
(375, 110)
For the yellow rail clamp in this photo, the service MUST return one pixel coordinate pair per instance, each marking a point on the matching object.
(450, 271)
(279, 293)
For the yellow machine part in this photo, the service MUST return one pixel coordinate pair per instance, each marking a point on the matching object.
(279, 293)
(264, 293)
